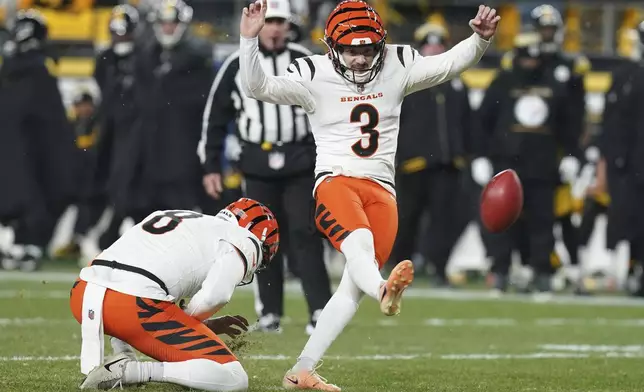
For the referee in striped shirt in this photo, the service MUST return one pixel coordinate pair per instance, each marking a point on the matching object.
(277, 161)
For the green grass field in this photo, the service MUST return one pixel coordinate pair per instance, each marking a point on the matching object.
(440, 342)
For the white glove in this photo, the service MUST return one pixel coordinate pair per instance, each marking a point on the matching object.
(482, 170)
(568, 169)
(232, 148)
(593, 154)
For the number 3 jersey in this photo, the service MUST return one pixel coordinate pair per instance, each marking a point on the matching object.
(177, 247)
(355, 128)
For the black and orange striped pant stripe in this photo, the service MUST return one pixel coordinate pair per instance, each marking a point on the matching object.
(345, 204)
(158, 329)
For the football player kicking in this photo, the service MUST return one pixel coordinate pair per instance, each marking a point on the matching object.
(130, 291)
(353, 96)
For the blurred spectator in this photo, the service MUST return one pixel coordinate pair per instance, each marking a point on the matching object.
(173, 75)
(36, 142)
(524, 119)
(528, 8)
(91, 197)
(114, 74)
(622, 147)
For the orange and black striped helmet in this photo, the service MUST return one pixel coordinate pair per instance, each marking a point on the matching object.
(259, 220)
(354, 23)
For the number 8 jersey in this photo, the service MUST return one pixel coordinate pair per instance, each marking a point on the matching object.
(355, 126)
(177, 247)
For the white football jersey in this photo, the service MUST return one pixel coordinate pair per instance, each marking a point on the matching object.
(178, 247)
(356, 130)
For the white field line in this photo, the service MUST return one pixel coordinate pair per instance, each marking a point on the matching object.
(421, 293)
(4, 322)
(411, 293)
(541, 322)
(401, 357)
(593, 348)
(433, 322)
(42, 294)
(39, 276)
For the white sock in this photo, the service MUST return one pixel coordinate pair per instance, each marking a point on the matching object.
(206, 375)
(137, 372)
(358, 249)
(334, 317)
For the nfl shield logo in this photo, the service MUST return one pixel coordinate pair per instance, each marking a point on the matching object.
(90, 314)
(276, 160)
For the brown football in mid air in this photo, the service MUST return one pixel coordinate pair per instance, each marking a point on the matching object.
(501, 201)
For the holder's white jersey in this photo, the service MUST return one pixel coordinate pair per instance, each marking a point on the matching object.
(180, 248)
(355, 130)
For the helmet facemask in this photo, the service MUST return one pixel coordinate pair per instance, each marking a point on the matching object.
(122, 26)
(359, 77)
(552, 45)
(355, 27)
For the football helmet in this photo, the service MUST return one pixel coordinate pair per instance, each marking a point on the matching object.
(259, 220)
(123, 22)
(28, 31)
(354, 23)
(170, 21)
(548, 22)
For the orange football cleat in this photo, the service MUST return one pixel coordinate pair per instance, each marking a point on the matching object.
(307, 379)
(391, 292)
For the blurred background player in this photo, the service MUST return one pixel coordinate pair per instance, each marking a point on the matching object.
(277, 162)
(172, 78)
(596, 201)
(113, 143)
(37, 150)
(548, 22)
(91, 200)
(435, 125)
(522, 124)
(623, 151)
(114, 74)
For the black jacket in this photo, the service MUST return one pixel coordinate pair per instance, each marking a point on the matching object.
(118, 113)
(622, 138)
(524, 120)
(435, 125)
(37, 148)
(172, 88)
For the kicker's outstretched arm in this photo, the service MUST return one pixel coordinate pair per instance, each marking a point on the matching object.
(430, 71)
(279, 90)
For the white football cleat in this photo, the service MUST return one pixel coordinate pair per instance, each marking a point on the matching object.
(108, 375)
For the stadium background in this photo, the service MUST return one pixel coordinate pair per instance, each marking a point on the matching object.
(78, 29)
